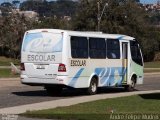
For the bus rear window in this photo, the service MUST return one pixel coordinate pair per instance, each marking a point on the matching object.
(42, 42)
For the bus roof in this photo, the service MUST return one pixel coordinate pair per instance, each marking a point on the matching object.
(84, 33)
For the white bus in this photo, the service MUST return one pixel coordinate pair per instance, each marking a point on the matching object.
(58, 58)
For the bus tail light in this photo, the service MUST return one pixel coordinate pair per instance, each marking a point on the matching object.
(62, 68)
(22, 67)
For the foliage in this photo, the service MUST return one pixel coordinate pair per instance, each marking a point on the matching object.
(52, 22)
(7, 4)
(47, 9)
(120, 17)
(14, 26)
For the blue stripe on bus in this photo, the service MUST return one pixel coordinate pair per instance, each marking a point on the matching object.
(99, 70)
(75, 78)
(119, 38)
(107, 76)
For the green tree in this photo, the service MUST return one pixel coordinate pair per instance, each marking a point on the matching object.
(49, 9)
(120, 17)
(13, 28)
(85, 18)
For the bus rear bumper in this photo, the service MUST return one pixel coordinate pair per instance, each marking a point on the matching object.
(59, 80)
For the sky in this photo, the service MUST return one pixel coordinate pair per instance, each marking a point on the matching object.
(142, 1)
(148, 1)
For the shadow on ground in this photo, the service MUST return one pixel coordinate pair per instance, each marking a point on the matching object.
(67, 92)
(35, 93)
(155, 96)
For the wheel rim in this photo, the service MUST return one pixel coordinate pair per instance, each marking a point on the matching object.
(93, 87)
(132, 84)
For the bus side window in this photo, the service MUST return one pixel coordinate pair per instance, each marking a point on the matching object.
(79, 47)
(97, 48)
(113, 49)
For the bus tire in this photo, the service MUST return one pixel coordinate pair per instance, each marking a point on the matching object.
(92, 90)
(131, 87)
(55, 90)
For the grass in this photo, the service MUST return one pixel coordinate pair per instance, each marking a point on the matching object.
(151, 70)
(101, 109)
(6, 73)
(6, 61)
(155, 64)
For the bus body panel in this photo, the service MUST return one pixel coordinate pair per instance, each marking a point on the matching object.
(109, 75)
(138, 71)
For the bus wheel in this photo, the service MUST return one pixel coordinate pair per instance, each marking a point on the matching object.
(54, 90)
(93, 86)
(131, 87)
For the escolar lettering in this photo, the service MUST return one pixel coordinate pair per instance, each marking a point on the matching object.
(41, 58)
(78, 62)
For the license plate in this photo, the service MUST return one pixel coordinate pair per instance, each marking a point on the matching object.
(40, 67)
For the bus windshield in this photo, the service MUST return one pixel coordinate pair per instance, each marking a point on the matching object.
(42, 42)
(135, 53)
